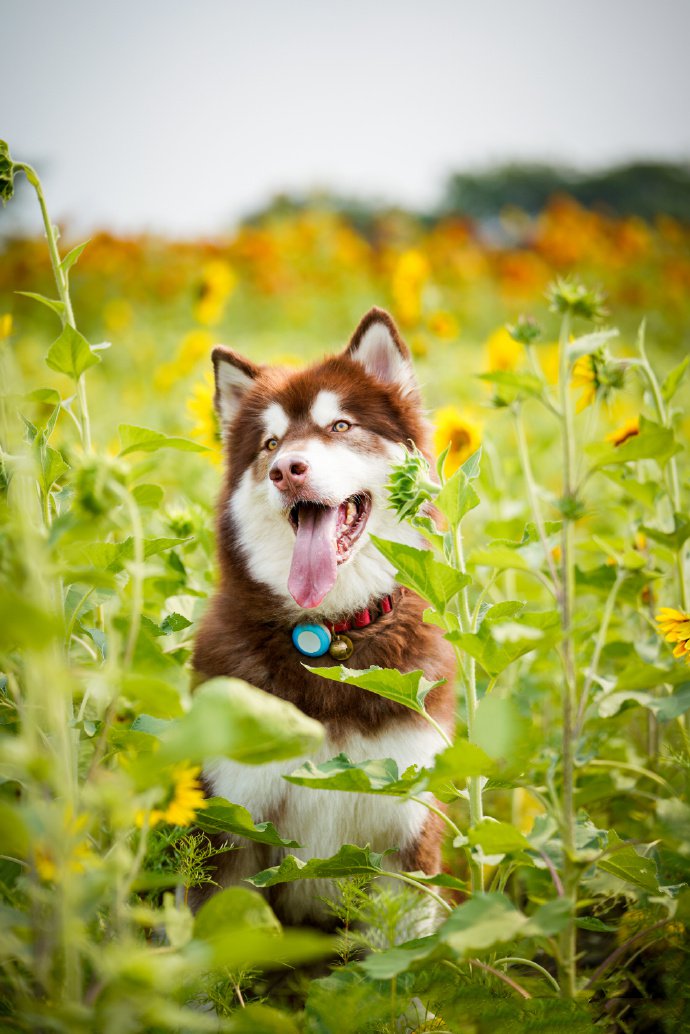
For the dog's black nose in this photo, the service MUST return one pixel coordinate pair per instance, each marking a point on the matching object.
(289, 471)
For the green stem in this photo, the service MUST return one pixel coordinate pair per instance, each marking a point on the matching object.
(530, 483)
(516, 960)
(474, 783)
(567, 601)
(437, 811)
(420, 886)
(62, 284)
(598, 647)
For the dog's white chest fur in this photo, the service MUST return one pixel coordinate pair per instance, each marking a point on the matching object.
(322, 821)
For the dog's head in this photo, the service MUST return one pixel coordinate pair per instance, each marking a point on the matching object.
(309, 454)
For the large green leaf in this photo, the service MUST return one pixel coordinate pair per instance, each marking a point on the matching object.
(628, 865)
(71, 353)
(432, 579)
(237, 907)
(144, 439)
(348, 861)
(499, 642)
(457, 764)
(220, 816)
(497, 837)
(379, 777)
(664, 707)
(229, 718)
(410, 689)
(457, 497)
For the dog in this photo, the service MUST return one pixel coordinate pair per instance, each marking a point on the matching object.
(308, 456)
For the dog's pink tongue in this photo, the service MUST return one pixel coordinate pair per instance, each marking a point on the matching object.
(314, 563)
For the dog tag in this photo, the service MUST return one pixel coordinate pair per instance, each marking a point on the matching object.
(311, 640)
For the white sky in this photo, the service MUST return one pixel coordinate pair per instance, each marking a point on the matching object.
(179, 117)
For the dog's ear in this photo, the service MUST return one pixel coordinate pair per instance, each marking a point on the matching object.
(234, 375)
(378, 347)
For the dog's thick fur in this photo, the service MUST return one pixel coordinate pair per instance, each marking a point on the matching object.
(268, 413)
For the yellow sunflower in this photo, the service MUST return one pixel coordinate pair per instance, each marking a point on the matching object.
(674, 625)
(463, 433)
(200, 408)
(584, 376)
(627, 430)
(503, 352)
(187, 798)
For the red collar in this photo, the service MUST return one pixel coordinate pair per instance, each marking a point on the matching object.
(367, 616)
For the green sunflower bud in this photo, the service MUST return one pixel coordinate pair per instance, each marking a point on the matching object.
(569, 294)
(410, 485)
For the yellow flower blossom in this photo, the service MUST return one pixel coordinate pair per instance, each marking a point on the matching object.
(463, 433)
(187, 798)
(74, 850)
(627, 430)
(201, 409)
(503, 352)
(218, 282)
(195, 346)
(5, 325)
(584, 376)
(117, 314)
(674, 625)
(410, 274)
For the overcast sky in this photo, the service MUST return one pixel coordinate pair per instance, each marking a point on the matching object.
(179, 117)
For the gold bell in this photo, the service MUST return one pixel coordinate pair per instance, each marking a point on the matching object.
(341, 647)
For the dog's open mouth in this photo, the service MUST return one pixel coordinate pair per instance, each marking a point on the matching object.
(324, 537)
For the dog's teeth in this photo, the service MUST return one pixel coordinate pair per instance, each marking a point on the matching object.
(351, 512)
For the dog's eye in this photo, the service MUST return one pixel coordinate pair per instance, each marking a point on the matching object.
(271, 444)
(341, 425)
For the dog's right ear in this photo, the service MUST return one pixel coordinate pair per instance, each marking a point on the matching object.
(234, 375)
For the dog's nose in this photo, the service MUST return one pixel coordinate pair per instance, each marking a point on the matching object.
(289, 471)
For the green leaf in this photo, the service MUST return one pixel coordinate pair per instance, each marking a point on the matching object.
(58, 307)
(53, 467)
(673, 380)
(499, 642)
(672, 539)
(457, 497)
(503, 733)
(497, 837)
(71, 353)
(143, 439)
(589, 343)
(174, 623)
(518, 384)
(410, 689)
(229, 718)
(418, 570)
(154, 695)
(72, 257)
(644, 492)
(500, 556)
(377, 777)
(348, 861)
(457, 764)
(220, 816)
(628, 865)
(481, 923)
(654, 442)
(664, 707)
(148, 496)
(385, 965)
(234, 908)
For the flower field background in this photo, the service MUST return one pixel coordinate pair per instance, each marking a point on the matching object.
(560, 577)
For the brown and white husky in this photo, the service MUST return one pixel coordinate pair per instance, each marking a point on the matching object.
(308, 456)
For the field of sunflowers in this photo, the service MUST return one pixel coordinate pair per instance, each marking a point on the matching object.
(552, 350)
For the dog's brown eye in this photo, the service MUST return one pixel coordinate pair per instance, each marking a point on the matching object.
(271, 444)
(341, 425)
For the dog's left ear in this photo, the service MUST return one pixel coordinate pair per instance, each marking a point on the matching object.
(378, 347)
(234, 375)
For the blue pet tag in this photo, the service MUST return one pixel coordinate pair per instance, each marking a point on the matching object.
(311, 640)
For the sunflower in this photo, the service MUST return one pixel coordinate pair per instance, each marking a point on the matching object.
(200, 408)
(503, 352)
(5, 325)
(674, 625)
(187, 798)
(627, 430)
(218, 282)
(584, 376)
(462, 432)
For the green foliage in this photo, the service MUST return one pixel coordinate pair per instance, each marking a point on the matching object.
(563, 791)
